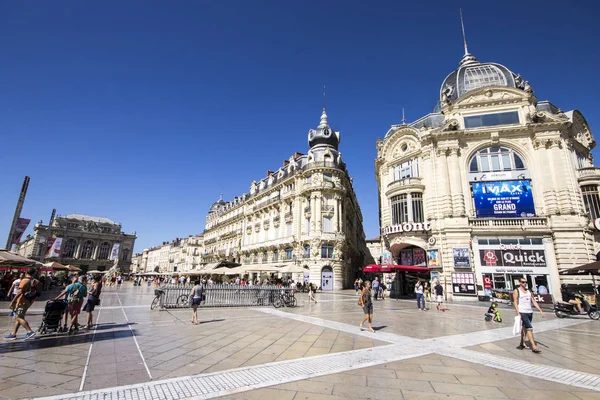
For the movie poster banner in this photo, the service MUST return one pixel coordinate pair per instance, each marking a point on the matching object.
(463, 283)
(49, 245)
(20, 227)
(434, 259)
(503, 199)
(419, 257)
(115, 251)
(406, 257)
(461, 256)
(55, 251)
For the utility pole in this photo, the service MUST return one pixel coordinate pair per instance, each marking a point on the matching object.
(17, 212)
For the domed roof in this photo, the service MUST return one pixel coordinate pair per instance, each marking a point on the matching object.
(472, 74)
(323, 135)
(217, 205)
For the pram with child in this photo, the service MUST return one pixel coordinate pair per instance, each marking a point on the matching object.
(53, 315)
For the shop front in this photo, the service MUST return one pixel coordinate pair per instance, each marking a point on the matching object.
(501, 262)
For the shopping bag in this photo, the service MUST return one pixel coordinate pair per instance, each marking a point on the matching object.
(517, 326)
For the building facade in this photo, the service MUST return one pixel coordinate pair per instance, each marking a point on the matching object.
(179, 255)
(304, 213)
(81, 240)
(491, 187)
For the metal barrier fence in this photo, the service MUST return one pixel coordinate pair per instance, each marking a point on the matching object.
(178, 296)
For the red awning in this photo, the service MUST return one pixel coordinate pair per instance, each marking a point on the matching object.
(391, 268)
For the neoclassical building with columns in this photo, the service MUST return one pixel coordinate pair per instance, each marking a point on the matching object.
(493, 186)
(304, 213)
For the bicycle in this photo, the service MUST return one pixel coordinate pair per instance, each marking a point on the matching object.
(182, 301)
(286, 299)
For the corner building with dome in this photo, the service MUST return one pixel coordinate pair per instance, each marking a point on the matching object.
(493, 186)
(303, 217)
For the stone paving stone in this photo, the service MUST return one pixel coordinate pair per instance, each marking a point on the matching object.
(449, 370)
(489, 392)
(319, 396)
(7, 373)
(415, 395)
(263, 394)
(529, 394)
(587, 395)
(25, 390)
(398, 383)
(308, 386)
(364, 392)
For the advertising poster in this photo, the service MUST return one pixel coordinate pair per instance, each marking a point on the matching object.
(433, 258)
(115, 251)
(49, 244)
(419, 257)
(20, 227)
(503, 199)
(386, 257)
(55, 251)
(406, 257)
(461, 256)
(463, 283)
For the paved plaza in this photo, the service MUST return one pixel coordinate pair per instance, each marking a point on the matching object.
(314, 351)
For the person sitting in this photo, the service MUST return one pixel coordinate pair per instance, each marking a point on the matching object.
(494, 312)
(569, 297)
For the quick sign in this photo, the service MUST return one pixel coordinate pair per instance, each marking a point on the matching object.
(407, 227)
(503, 199)
(512, 258)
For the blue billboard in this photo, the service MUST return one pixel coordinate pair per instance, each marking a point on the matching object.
(503, 199)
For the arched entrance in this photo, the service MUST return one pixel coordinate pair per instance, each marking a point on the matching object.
(327, 278)
(409, 255)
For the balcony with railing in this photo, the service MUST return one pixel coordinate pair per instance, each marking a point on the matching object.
(328, 209)
(509, 223)
(404, 183)
(588, 174)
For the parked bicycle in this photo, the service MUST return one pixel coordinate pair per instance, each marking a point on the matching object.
(182, 301)
(285, 299)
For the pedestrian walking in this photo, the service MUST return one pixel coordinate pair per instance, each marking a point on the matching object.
(522, 300)
(197, 295)
(438, 289)
(14, 289)
(119, 282)
(427, 292)
(376, 287)
(356, 285)
(367, 305)
(29, 290)
(420, 296)
(92, 301)
(311, 294)
(75, 293)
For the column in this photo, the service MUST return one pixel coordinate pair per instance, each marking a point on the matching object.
(427, 177)
(559, 168)
(313, 214)
(336, 213)
(443, 196)
(458, 200)
(78, 249)
(318, 214)
(546, 183)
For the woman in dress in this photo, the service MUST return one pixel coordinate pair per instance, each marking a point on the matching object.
(366, 302)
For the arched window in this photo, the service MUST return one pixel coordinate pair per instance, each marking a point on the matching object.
(326, 251)
(495, 159)
(87, 249)
(69, 248)
(104, 251)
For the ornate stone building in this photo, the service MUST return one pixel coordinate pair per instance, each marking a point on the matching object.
(493, 186)
(179, 255)
(304, 213)
(80, 240)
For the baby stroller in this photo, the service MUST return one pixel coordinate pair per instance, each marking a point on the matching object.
(53, 315)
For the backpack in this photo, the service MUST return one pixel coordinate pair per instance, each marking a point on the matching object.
(35, 290)
(74, 295)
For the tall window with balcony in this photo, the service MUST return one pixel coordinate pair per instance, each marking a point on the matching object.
(275, 255)
(327, 224)
(407, 207)
(591, 200)
(326, 251)
(408, 169)
(87, 250)
(288, 229)
(288, 253)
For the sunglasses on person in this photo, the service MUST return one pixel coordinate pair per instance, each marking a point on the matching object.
(522, 282)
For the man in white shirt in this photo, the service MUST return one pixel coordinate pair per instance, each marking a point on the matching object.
(14, 288)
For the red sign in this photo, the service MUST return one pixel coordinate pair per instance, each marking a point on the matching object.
(487, 282)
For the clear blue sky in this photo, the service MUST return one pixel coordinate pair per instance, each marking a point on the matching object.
(144, 111)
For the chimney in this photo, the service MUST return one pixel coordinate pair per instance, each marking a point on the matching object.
(296, 155)
(286, 163)
(269, 172)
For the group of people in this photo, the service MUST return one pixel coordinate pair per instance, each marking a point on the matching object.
(28, 289)
(423, 293)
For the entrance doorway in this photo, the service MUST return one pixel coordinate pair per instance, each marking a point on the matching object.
(327, 278)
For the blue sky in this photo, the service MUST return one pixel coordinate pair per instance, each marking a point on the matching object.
(144, 111)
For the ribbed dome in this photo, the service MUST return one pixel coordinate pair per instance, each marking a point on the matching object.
(217, 205)
(471, 75)
(323, 135)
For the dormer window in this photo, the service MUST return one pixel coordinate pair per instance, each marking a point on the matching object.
(503, 118)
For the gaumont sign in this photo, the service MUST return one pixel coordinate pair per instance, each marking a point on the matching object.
(407, 227)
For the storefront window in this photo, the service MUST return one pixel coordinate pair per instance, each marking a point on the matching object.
(499, 281)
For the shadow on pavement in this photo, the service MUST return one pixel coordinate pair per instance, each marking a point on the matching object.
(49, 341)
(378, 328)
